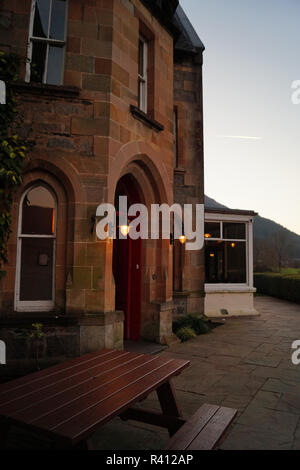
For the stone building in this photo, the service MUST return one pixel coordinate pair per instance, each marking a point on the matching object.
(111, 94)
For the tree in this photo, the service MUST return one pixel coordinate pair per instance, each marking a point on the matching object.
(281, 247)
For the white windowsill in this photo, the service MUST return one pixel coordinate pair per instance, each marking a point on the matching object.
(223, 288)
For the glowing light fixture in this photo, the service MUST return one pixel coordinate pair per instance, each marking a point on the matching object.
(182, 239)
(232, 245)
(212, 255)
(124, 230)
(207, 235)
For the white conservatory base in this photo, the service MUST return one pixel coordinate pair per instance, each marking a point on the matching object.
(227, 302)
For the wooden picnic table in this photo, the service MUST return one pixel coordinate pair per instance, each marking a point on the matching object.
(69, 401)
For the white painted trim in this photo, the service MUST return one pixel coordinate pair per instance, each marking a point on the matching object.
(248, 221)
(25, 235)
(226, 239)
(223, 288)
(214, 217)
(143, 79)
(29, 44)
(250, 253)
(35, 305)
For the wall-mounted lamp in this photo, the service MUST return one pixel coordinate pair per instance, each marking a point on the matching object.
(124, 230)
(181, 239)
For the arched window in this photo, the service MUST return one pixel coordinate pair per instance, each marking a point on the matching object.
(36, 250)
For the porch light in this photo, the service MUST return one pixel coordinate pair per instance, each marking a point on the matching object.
(182, 239)
(124, 230)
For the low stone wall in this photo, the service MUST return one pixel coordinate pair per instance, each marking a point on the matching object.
(57, 344)
(63, 337)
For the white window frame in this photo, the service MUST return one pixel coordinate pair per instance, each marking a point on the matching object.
(175, 136)
(143, 79)
(48, 41)
(248, 221)
(34, 305)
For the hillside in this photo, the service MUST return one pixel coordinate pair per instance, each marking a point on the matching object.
(265, 230)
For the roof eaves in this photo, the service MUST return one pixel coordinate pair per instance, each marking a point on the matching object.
(189, 40)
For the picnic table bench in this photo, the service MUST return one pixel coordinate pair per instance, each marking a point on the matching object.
(68, 402)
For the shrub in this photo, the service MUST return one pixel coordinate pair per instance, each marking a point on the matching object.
(185, 333)
(283, 286)
(198, 324)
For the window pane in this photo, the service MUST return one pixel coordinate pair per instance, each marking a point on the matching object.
(36, 269)
(233, 230)
(214, 262)
(139, 93)
(41, 18)
(235, 262)
(55, 63)
(38, 214)
(141, 58)
(212, 230)
(225, 262)
(142, 96)
(58, 17)
(38, 61)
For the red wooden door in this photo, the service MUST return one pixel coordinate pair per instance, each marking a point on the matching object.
(127, 268)
(135, 266)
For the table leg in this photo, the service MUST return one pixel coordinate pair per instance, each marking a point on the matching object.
(4, 430)
(169, 405)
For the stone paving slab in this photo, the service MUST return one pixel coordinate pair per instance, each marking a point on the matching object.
(245, 438)
(277, 373)
(266, 420)
(289, 402)
(262, 359)
(282, 386)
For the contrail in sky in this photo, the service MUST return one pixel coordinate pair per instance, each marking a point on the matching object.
(239, 137)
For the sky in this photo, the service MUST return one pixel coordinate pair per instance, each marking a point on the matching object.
(251, 126)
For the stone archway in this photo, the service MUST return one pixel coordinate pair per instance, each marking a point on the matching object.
(141, 157)
(154, 186)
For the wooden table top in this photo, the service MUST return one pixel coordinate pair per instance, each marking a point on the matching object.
(70, 400)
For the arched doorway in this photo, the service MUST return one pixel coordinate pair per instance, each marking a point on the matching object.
(35, 276)
(127, 265)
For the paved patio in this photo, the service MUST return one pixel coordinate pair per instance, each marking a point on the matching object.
(244, 364)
